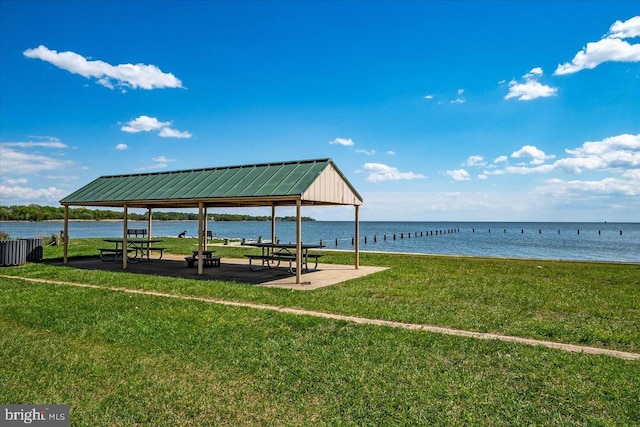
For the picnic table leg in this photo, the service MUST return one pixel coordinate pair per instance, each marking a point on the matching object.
(254, 268)
(135, 256)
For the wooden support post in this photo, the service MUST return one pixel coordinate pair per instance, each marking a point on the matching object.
(65, 232)
(273, 226)
(125, 243)
(205, 228)
(200, 236)
(357, 235)
(149, 222)
(298, 240)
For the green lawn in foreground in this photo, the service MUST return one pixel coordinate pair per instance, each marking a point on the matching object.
(121, 359)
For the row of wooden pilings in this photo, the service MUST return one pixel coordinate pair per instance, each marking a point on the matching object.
(473, 230)
(396, 236)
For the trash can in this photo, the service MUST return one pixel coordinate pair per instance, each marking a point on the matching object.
(13, 252)
(35, 248)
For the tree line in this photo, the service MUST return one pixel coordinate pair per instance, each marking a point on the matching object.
(47, 213)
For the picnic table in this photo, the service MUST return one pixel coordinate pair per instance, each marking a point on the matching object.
(274, 253)
(208, 260)
(141, 248)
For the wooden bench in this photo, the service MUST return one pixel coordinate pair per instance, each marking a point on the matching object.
(140, 253)
(136, 231)
(161, 250)
(290, 258)
(266, 260)
(113, 251)
(209, 261)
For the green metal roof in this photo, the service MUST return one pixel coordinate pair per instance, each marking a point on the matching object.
(244, 185)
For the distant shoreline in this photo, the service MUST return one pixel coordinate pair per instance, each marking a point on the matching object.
(49, 221)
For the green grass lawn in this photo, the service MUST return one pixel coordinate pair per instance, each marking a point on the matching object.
(122, 359)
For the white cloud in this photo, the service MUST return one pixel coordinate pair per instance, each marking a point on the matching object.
(633, 174)
(611, 48)
(622, 151)
(475, 161)
(379, 172)
(627, 186)
(122, 147)
(147, 124)
(124, 75)
(16, 181)
(428, 97)
(173, 133)
(18, 193)
(531, 88)
(45, 137)
(537, 156)
(459, 99)
(521, 204)
(162, 159)
(342, 141)
(391, 153)
(31, 144)
(526, 170)
(500, 159)
(161, 162)
(535, 72)
(625, 30)
(458, 174)
(17, 162)
(367, 152)
(143, 124)
(594, 54)
(619, 154)
(455, 206)
(65, 177)
(608, 145)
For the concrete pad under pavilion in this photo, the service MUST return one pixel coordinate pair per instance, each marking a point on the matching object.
(233, 270)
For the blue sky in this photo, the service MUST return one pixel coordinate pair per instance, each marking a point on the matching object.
(434, 110)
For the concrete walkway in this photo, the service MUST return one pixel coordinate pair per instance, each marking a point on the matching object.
(359, 320)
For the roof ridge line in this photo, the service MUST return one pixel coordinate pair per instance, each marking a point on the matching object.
(326, 159)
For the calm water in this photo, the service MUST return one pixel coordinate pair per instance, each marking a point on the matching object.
(570, 241)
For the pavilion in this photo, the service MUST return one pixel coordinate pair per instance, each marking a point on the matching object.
(294, 183)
